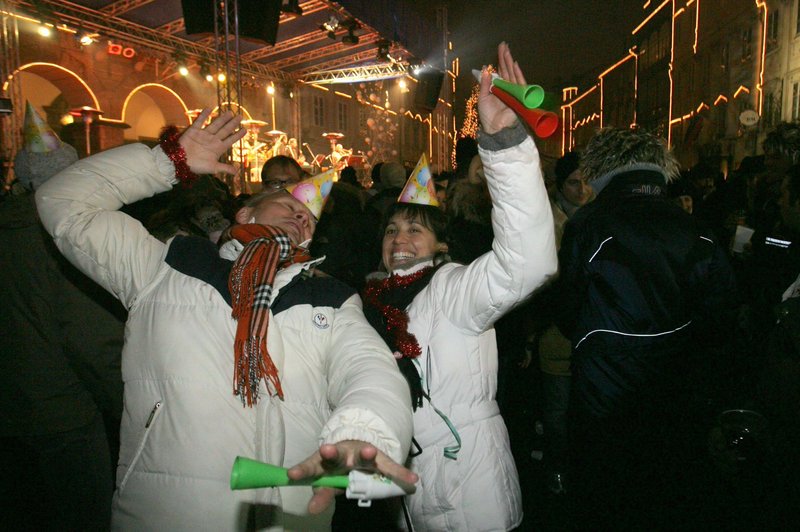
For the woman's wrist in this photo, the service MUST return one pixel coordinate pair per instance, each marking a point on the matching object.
(173, 149)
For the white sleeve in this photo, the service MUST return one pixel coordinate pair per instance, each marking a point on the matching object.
(369, 394)
(523, 254)
(79, 208)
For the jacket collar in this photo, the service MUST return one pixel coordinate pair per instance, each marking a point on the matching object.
(651, 177)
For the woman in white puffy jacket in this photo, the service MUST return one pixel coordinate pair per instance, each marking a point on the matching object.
(438, 319)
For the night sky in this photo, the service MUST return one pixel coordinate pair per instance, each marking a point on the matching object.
(557, 42)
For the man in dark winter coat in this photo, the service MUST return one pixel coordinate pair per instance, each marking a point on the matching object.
(643, 283)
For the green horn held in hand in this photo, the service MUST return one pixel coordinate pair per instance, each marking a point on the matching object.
(531, 96)
(250, 474)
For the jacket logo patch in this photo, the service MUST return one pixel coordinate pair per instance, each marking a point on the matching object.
(321, 320)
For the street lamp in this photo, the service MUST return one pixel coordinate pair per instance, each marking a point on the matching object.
(88, 115)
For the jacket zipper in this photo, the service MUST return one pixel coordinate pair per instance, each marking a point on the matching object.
(153, 413)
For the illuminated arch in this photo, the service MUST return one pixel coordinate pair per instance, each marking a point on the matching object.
(232, 104)
(164, 98)
(74, 89)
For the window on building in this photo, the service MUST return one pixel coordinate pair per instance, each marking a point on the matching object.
(795, 100)
(724, 57)
(319, 110)
(341, 116)
(362, 119)
(772, 109)
(797, 22)
(772, 29)
(747, 43)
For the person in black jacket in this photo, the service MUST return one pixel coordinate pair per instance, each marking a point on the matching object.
(645, 285)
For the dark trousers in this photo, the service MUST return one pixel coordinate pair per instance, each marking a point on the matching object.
(636, 471)
(57, 482)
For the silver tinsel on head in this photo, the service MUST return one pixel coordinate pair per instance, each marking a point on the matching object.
(33, 169)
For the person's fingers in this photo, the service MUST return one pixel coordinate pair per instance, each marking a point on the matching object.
(518, 74)
(504, 61)
(486, 82)
(236, 136)
(218, 122)
(201, 119)
(322, 498)
(331, 458)
(307, 468)
(366, 456)
(230, 126)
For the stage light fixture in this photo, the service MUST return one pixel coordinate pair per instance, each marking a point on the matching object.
(221, 77)
(43, 30)
(331, 25)
(351, 38)
(271, 89)
(205, 72)
(184, 70)
(87, 38)
(383, 50)
(292, 7)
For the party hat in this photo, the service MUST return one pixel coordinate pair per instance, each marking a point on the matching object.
(314, 191)
(39, 137)
(420, 188)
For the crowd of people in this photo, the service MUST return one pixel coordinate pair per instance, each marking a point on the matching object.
(344, 329)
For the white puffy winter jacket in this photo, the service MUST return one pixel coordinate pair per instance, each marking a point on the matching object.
(452, 319)
(182, 426)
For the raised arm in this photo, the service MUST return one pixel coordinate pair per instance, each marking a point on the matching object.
(523, 252)
(79, 207)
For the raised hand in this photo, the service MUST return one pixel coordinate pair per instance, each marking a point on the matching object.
(205, 145)
(342, 457)
(494, 114)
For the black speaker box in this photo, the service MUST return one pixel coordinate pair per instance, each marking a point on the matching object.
(258, 19)
(429, 84)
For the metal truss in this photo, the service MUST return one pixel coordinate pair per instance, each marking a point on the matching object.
(328, 51)
(357, 74)
(92, 20)
(122, 6)
(178, 25)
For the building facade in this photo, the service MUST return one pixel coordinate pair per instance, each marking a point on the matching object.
(710, 76)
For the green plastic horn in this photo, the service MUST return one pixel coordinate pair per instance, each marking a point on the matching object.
(531, 96)
(250, 474)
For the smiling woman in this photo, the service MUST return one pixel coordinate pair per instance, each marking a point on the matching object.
(438, 318)
(413, 233)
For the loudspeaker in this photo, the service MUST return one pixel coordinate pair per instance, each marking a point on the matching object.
(198, 16)
(258, 19)
(429, 84)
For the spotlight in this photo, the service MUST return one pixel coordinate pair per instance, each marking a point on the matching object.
(43, 30)
(87, 38)
(205, 72)
(330, 26)
(403, 85)
(292, 7)
(221, 77)
(271, 89)
(184, 70)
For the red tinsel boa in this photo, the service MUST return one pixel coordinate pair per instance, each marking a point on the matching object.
(396, 318)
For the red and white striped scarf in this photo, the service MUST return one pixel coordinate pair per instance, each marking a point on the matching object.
(266, 250)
